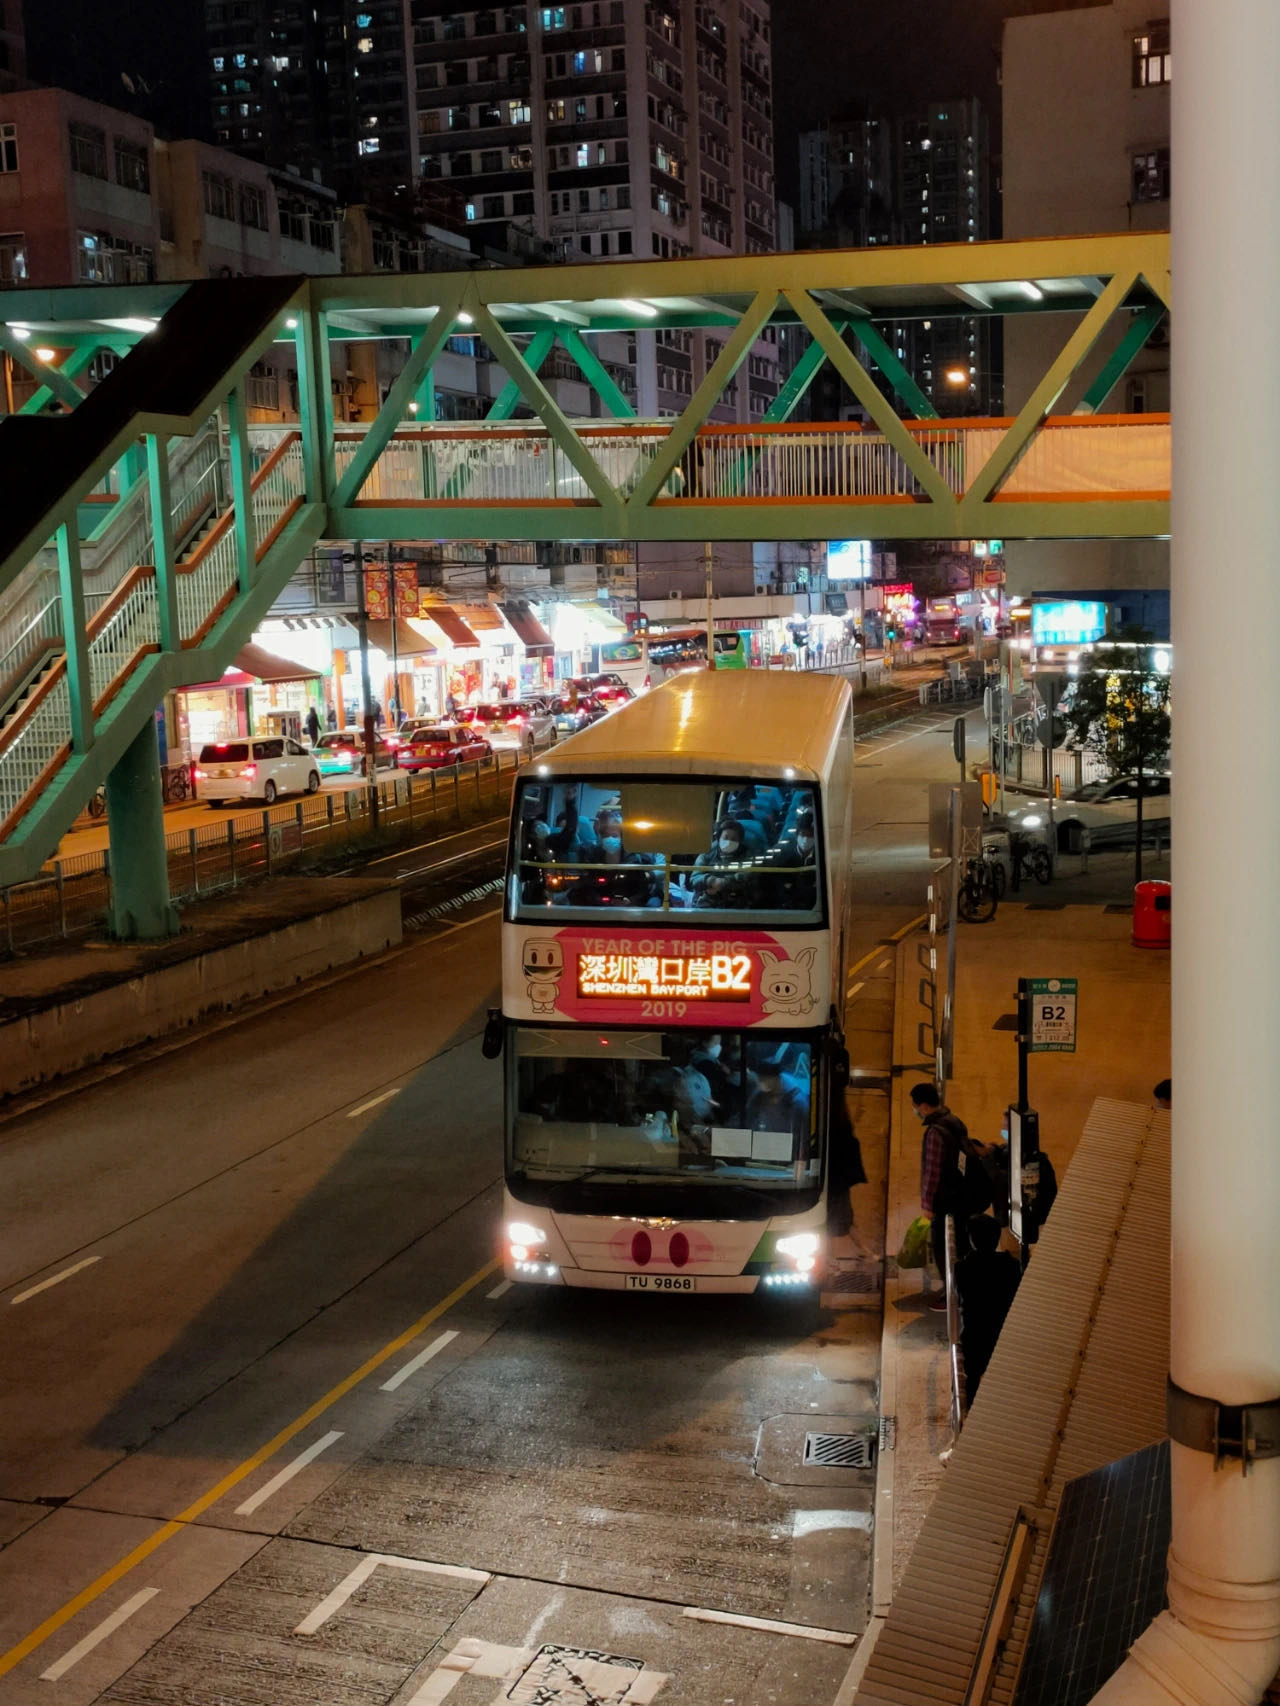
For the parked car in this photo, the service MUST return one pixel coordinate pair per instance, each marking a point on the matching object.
(1108, 810)
(608, 687)
(434, 745)
(260, 768)
(570, 718)
(521, 724)
(341, 753)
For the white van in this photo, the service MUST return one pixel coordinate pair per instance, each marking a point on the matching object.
(258, 769)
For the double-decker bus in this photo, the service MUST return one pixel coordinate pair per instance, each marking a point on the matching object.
(672, 989)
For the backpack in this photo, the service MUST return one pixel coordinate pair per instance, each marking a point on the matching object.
(965, 1188)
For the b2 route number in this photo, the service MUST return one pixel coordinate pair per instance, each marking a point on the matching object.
(1050, 1015)
(663, 1009)
(659, 1282)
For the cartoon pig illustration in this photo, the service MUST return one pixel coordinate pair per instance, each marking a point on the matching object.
(543, 960)
(785, 984)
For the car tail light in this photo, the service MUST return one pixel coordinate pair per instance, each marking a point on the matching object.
(199, 775)
(678, 1250)
(517, 719)
(249, 771)
(641, 1249)
(345, 752)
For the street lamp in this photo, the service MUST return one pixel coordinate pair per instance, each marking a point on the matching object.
(956, 376)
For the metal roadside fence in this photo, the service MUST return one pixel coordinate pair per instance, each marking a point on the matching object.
(73, 894)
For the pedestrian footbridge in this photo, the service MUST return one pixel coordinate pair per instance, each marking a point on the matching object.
(148, 524)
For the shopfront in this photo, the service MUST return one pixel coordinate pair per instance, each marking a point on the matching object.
(261, 693)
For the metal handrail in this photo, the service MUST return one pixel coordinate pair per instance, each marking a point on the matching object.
(955, 1355)
(572, 867)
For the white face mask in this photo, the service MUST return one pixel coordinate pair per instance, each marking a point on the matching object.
(729, 845)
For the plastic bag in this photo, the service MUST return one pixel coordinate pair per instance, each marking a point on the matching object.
(915, 1247)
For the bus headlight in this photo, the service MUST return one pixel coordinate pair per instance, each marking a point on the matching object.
(799, 1246)
(520, 1232)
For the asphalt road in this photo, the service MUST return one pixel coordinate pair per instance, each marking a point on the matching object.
(274, 1431)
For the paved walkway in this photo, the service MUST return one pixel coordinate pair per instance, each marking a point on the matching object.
(1122, 1050)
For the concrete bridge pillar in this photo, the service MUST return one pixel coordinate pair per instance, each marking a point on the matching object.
(140, 906)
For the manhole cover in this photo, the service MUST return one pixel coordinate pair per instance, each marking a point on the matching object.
(839, 1451)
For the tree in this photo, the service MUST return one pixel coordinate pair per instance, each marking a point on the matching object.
(1119, 709)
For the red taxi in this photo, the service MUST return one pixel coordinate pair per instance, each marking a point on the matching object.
(431, 746)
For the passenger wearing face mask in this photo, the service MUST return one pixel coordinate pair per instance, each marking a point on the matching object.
(541, 845)
(708, 1057)
(719, 875)
(795, 854)
(625, 880)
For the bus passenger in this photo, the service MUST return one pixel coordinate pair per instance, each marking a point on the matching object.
(794, 853)
(541, 845)
(777, 1103)
(627, 878)
(712, 883)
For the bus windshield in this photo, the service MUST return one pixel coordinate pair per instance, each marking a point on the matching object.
(738, 850)
(690, 1109)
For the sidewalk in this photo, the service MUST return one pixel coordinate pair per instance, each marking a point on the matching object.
(1122, 1050)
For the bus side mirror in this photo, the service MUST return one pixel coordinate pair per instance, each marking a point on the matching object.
(491, 1043)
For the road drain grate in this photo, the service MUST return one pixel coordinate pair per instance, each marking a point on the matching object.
(864, 1278)
(839, 1451)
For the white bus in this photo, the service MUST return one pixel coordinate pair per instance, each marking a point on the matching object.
(672, 989)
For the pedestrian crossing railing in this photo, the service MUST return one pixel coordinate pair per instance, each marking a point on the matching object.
(31, 608)
(461, 463)
(126, 627)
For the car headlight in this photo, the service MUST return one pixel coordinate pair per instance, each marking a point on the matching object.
(1032, 822)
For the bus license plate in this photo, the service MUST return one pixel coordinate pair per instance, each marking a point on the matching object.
(660, 1282)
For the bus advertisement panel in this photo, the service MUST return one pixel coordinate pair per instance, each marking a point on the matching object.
(673, 1002)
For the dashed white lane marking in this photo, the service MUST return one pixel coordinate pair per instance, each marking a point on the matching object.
(108, 1626)
(412, 1367)
(498, 1291)
(834, 1637)
(373, 1102)
(56, 1279)
(364, 1569)
(286, 1474)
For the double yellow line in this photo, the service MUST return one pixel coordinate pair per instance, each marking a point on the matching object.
(110, 1577)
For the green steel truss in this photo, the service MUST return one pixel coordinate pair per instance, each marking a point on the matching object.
(530, 471)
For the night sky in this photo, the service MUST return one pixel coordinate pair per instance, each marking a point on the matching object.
(830, 57)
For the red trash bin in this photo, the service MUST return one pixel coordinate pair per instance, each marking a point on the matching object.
(1152, 914)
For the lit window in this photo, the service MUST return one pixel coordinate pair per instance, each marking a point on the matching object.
(239, 61)
(219, 62)
(1152, 61)
(363, 20)
(367, 145)
(471, 210)
(584, 154)
(365, 44)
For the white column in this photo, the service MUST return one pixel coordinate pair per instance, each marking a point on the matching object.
(1220, 1641)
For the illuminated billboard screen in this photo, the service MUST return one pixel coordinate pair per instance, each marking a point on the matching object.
(849, 559)
(1068, 622)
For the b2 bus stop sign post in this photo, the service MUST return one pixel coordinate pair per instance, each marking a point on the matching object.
(1046, 1025)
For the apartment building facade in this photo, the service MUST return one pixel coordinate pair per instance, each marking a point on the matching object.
(1086, 149)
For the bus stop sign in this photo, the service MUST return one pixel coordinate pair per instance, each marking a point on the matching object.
(1053, 1015)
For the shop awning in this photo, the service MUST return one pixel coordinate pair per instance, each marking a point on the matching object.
(254, 663)
(537, 641)
(450, 624)
(483, 618)
(600, 616)
(400, 641)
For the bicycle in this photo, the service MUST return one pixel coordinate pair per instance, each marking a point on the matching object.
(177, 782)
(977, 900)
(1030, 859)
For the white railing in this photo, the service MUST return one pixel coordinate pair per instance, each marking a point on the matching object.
(499, 462)
(32, 614)
(30, 749)
(34, 741)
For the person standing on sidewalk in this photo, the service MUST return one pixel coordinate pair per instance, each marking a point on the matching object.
(953, 1180)
(313, 724)
(986, 1280)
